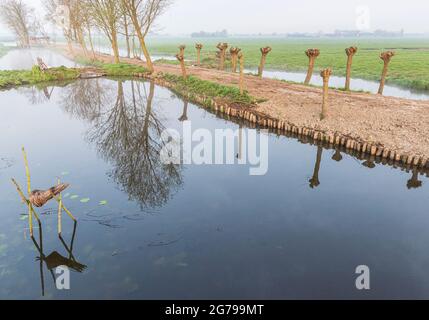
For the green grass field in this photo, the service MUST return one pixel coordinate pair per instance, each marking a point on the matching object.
(409, 68)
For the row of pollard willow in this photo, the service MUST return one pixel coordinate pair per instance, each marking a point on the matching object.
(237, 58)
(312, 54)
(257, 119)
(29, 203)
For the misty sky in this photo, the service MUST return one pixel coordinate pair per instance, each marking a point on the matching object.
(283, 16)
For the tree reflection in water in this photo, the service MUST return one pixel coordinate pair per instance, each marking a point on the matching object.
(127, 134)
(85, 99)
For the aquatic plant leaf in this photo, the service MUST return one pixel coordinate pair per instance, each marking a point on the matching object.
(66, 195)
(85, 200)
(73, 197)
(65, 173)
(23, 217)
(103, 202)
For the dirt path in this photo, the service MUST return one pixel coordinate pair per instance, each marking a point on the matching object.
(400, 125)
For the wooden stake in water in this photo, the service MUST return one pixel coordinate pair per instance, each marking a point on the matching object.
(60, 210)
(30, 207)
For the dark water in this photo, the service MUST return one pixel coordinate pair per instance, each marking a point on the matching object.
(150, 231)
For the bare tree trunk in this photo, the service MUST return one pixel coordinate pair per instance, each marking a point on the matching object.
(146, 53)
(222, 47)
(70, 46)
(198, 46)
(386, 57)
(241, 58)
(350, 53)
(234, 58)
(310, 71)
(265, 52)
(312, 54)
(127, 36)
(181, 59)
(115, 47)
(81, 40)
(91, 42)
(325, 74)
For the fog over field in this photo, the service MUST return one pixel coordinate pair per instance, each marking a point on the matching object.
(284, 16)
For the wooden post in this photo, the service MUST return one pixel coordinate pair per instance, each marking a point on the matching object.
(265, 51)
(312, 54)
(181, 59)
(386, 57)
(241, 59)
(198, 46)
(350, 53)
(325, 74)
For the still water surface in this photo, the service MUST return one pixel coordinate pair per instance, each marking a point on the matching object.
(150, 231)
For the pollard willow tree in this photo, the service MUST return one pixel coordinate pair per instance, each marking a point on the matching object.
(107, 15)
(143, 14)
(182, 49)
(386, 57)
(17, 16)
(325, 74)
(350, 52)
(199, 47)
(222, 54)
(312, 54)
(234, 57)
(181, 58)
(264, 51)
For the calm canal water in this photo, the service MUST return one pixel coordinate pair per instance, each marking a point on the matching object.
(149, 231)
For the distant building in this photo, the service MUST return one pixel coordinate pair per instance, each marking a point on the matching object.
(204, 34)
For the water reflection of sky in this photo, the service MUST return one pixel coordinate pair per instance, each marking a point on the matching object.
(198, 231)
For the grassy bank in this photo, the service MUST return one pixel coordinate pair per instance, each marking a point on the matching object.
(30, 77)
(409, 68)
(194, 86)
(113, 70)
(35, 76)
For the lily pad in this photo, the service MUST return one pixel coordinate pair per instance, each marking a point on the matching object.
(85, 200)
(74, 197)
(103, 202)
(23, 217)
(65, 173)
(66, 195)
